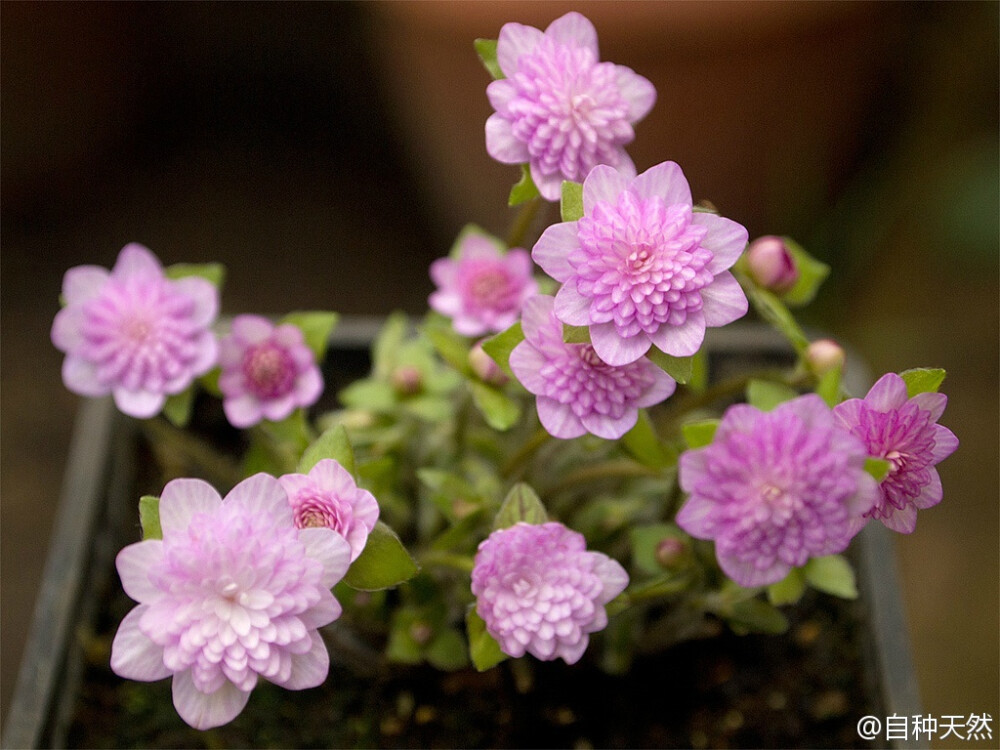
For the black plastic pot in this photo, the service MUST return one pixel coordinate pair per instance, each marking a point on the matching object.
(97, 501)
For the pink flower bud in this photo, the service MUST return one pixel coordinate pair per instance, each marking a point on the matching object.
(771, 264)
(824, 355)
(484, 366)
(407, 380)
(670, 551)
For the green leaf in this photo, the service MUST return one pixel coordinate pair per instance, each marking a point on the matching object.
(149, 517)
(429, 407)
(774, 311)
(644, 445)
(828, 387)
(832, 575)
(484, 651)
(698, 381)
(214, 272)
(788, 590)
(334, 444)
(812, 273)
(387, 344)
(500, 411)
(383, 564)
(767, 394)
(576, 334)
(571, 204)
(679, 368)
(502, 344)
(178, 407)
(448, 651)
(922, 380)
(451, 345)
(645, 542)
(523, 191)
(316, 327)
(487, 51)
(877, 467)
(757, 616)
(699, 434)
(375, 395)
(521, 504)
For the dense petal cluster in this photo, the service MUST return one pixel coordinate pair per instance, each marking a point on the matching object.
(904, 432)
(559, 109)
(776, 488)
(134, 333)
(328, 497)
(267, 371)
(232, 593)
(540, 591)
(641, 267)
(577, 391)
(482, 289)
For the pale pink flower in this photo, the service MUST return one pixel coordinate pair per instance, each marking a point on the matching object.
(641, 267)
(482, 288)
(775, 489)
(327, 496)
(771, 264)
(577, 391)
(267, 371)
(904, 432)
(540, 591)
(559, 109)
(134, 333)
(233, 592)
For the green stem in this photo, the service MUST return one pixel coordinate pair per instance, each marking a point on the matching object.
(516, 462)
(523, 221)
(614, 469)
(648, 592)
(440, 559)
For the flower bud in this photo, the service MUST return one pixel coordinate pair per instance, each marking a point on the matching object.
(824, 355)
(670, 551)
(771, 264)
(407, 380)
(485, 366)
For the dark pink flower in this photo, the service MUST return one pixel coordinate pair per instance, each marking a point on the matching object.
(641, 267)
(577, 391)
(133, 332)
(540, 591)
(482, 288)
(233, 592)
(267, 371)
(327, 496)
(904, 432)
(559, 109)
(775, 489)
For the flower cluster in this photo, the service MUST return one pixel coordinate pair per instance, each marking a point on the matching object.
(534, 457)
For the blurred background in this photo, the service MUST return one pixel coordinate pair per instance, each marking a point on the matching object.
(327, 153)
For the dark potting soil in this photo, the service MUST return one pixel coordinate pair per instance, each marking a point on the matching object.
(807, 688)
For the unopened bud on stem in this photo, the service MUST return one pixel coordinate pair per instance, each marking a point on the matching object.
(771, 264)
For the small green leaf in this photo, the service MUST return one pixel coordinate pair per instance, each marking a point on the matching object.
(502, 344)
(523, 191)
(832, 575)
(149, 517)
(767, 394)
(877, 467)
(644, 445)
(698, 381)
(500, 411)
(429, 407)
(774, 311)
(576, 334)
(699, 434)
(334, 444)
(788, 590)
(922, 380)
(316, 327)
(483, 649)
(375, 395)
(451, 345)
(448, 651)
(177, 408)
(828, 387)
(521, 504)
(757, 616)
(571, 204)
(487, 51)
(387, 344)
(679, 368)
(812, 273)
(383, 564)
(645, 542)
(214, 272)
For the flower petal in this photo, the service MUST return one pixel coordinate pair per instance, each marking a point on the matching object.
(575, 30)
(607, 427)
(603, 185)
(502, 144)
(931, 493)
(207, 710)
(747, 574)
(139, 404)
(331, 549)
(80, 376)
(666, 180)
(262, 493)
(888, 393)
(935, 403)
(902, 520)
(662, 387)
(614, 349)
(311, 668)
(553, 248)
(612, 575)
(134, 655)
(558, 419)
(637, 91)
(134, 563)
(83, 283)
(205, 295)
(726, 239)
(526, 362)
(571, 307)
(548, 184)
(723, 301)
(182, 499)
(683, 340)
(945, 443)
(251, 329)
(137, 261)
(515, 40)
(243, 411)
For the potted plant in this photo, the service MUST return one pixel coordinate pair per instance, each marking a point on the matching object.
(554, 506)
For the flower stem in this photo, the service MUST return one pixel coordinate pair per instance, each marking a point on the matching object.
(523, 221)
(613, 469)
